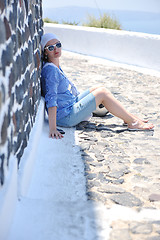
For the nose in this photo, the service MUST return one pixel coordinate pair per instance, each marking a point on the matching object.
(55, 47)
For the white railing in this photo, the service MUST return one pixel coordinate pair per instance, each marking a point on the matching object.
(139, 49)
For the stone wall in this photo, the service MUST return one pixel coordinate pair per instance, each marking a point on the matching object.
(20, 31)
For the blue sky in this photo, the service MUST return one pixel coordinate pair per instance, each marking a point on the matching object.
(142, 5)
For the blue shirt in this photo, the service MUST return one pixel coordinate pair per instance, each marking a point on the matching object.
(55, 90)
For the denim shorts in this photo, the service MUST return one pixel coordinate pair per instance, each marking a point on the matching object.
(84, 106)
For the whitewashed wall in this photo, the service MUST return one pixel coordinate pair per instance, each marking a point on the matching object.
(139, 49)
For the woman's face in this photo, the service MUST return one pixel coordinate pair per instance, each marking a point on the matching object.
(56, 52)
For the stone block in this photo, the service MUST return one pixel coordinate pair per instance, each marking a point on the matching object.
(14, 15)
(21, 20)
(3, 93)
(13, 20)
(26, 6)
(19, 120)
(12, 80)
(9, 114)
(19, 37)
(18, 63)
(19, 155)
(31, 25)
(24, 59)
(30, 52)
(2, 157)
(7, 55)
(36, 12)
(19, 93)
(4, 130)
(3, 32)
(17, 143)
(7, 27)
(27, 32)
(28, 130)
(2, 5)
(25, 108)
(14, 43)
(9, 149)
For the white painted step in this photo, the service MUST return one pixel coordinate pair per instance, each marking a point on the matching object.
(59, 170)
(80, 220)
(57, 182)
(49, 220)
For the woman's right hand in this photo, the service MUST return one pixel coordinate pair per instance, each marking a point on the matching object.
(55, 134)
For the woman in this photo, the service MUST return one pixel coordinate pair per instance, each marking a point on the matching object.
(67, 107)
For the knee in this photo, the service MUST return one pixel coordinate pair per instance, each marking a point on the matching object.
(105, 90)
(95, 87)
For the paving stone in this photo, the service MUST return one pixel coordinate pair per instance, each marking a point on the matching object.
(120, 234)
(156, 227)
(117, 172)
(87, 158)
(96, 196)
(126, 199)
(154, 197)
(102, 178)
(96, 164)
(141, 228)
(110, 189)
(99, 157)
(91, 184)
(91, 176)
(87, 168)
(153, 238)
(139, 160)
(118, 181)
(85, 146)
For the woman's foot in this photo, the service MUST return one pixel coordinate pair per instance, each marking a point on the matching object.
(144, 121)
(140, 126)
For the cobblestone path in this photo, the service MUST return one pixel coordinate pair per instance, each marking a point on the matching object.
(121, 167)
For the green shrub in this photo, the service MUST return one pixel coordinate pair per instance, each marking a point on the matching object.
(48, 20)
(104, 21)
(70, 23)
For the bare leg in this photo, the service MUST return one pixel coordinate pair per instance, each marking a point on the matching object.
(96, 87)
(99, 86)
(102, 95)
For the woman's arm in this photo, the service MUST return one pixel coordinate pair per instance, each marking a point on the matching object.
(52, 112)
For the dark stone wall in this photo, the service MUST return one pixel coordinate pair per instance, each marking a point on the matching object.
(20, 31)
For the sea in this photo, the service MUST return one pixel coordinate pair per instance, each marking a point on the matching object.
(136, 21)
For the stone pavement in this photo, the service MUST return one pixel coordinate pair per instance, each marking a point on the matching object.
(121, 167)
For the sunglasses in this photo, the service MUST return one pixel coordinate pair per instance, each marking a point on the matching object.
(52, 47)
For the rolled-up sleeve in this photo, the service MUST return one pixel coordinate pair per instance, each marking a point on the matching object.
(52, 82)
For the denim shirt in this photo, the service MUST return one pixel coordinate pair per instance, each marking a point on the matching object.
(55, 90)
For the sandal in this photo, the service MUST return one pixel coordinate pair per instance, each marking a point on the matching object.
(145, 121)
(141, 127)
